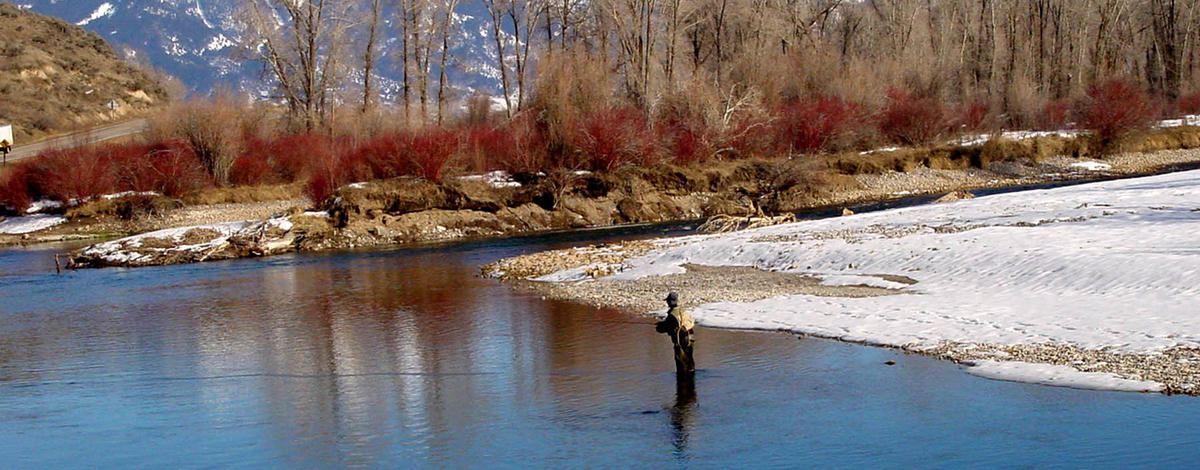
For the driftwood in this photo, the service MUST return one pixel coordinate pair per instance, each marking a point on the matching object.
(723, 223)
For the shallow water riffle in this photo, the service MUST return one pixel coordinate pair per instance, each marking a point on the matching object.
(406, 358)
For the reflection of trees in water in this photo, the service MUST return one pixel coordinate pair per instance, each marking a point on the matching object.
(681, 413)
(368, 346)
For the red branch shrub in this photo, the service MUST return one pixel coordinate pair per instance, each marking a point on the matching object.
(283, 159)
(1115, 107)
(912, 120)
(815, 125)
(86, 172)
(489, 148)
(1188, 104)
(519, 147)
(423, 153)
(75, 173)
(330, 169)
(430, 151)
(974, 116)
(613, 138)
(14, 188)
(1056, 114)
(682, 130)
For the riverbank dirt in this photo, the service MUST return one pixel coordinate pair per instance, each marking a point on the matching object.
(405, 210)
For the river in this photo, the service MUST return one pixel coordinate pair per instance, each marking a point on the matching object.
(406, 358)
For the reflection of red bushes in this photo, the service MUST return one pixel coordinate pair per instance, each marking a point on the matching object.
(1115, 107)
(912, 120)
(814, 125)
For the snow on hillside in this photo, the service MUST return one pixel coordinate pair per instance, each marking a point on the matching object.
(1112, 265)
(105, 9)
(196, 40)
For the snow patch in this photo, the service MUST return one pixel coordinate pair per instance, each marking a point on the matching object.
(1056, 375)
(495, 179)
(42, 206)
(30, 224)
(980, 139)
(105, 9)
(1091, 166)
(130, 194)
(856, 280)
(1189, 120)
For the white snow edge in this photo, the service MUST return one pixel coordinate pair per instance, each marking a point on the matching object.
(1056, 375)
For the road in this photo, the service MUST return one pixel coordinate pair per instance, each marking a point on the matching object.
(90, 136)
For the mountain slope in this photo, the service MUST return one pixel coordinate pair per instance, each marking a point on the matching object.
(196, 41)
(55, 76)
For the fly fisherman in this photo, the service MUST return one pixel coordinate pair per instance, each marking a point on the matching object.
(679, 325)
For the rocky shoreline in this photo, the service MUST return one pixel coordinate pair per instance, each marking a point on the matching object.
(407, 210)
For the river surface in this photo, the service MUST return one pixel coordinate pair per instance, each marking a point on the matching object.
(406, 358)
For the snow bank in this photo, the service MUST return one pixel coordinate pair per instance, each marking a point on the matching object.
(30, 224)
(132, 250)
(1060, 376)
(42, 206)
(980, 139)
(1104, 265)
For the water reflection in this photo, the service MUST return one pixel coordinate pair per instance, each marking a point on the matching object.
(681, 413)
(406, 358)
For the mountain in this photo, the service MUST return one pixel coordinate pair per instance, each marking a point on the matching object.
(197, 42)
(55, 76)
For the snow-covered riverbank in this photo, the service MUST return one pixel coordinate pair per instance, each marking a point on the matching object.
(1110, 267)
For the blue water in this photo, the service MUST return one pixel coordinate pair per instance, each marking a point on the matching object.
(406, 358)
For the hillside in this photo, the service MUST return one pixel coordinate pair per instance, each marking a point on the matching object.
(55, 76)
(197, 42)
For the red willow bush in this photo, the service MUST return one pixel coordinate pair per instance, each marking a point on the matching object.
(611, 138)
(1188, 104)
(1056, 114)
(89, 171)
(816, 124)
(684, 130)
(1115, 107)
(912, 120)
(282, 159)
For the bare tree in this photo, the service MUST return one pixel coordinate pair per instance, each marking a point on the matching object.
(370, 55)
(447, 23)
(300, 44)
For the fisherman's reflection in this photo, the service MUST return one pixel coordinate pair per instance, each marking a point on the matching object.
(681, 413)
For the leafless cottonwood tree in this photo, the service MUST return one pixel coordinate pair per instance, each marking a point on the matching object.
(370, 53)
(301, 44)
(1014, 56)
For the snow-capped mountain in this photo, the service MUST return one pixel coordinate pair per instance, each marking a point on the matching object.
(197, 41)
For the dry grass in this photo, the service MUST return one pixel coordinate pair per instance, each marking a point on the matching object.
(949, 157)
(56, 77)
(244, 194)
